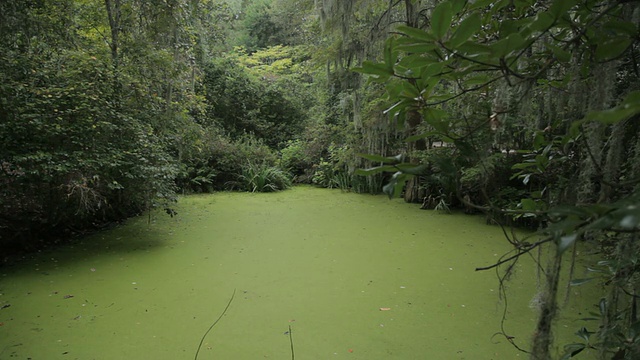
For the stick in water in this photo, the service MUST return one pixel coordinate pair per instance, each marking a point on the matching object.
(291, 341)
(215, 322)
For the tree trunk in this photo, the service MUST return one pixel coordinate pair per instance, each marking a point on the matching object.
(413, 193)
(113, 13)
(543, 338)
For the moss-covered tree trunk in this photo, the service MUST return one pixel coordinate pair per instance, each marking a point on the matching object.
(542, 337)
(413, 192)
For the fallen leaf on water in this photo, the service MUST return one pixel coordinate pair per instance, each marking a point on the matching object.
(385, 309)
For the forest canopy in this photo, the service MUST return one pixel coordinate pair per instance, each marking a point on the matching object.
(524, 110)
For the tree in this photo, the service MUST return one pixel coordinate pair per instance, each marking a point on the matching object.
(92, 132)
(558, 72)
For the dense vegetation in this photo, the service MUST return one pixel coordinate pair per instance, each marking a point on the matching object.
(525, 110)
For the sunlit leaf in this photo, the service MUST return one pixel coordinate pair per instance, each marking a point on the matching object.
(394, 187)
(528, 205)
(584, 333)
(375, 170)
(412, 169)
(418, 48)
(416, 33)
(383, 159)
(577, 282)
(572, 350)
(566, 241)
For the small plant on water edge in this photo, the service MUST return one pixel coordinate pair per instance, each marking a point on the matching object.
(264, 178)
(442, 207)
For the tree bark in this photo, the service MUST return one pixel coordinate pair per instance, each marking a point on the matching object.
(413, 193)
(114, 14)
(543, 338)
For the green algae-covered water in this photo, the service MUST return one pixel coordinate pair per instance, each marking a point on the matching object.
(353, 277)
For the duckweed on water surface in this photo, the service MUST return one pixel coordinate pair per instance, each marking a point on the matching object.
(354, 276)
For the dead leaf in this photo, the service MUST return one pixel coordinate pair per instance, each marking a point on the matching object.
(385, 309)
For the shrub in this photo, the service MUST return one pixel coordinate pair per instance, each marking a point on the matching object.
(294, 159)
(264, 178)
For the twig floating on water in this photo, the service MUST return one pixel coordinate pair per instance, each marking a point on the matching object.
(215, 322)
(293, 357)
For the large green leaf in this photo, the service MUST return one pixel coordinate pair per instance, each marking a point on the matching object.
(395, 185)
(390, 53)
(410, 91)
(572, 350)
(478, 4)
(629, 107)
(612, 48)
(441, 19)
(382, 159)
(566, 241)
(438, 119)
(473, 50)
(561, 7)
(374, 69)
(375, 170)
(512, 42)
(578, 282)
(422, 136)
(412, 169)
(561, 54)
(416, 33)
(416, 47)
(469, 26)
(542, 22)
(432, 69)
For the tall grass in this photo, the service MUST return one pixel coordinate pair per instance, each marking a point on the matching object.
(264, 178)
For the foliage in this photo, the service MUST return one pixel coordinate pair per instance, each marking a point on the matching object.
(263, 178)
(242, 104)
(221, 161)
(293, 158)
(87, 119)
(554, 74)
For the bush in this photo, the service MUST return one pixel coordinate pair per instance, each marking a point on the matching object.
(294, 159)
(264, 178)
(219, 164)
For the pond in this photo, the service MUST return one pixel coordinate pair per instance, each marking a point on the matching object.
(350, 276)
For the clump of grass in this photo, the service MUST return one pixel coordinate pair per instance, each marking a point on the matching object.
(264, 178)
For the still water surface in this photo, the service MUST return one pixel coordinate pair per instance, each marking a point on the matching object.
(353, 276)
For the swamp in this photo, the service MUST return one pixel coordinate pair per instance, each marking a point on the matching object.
(371, 179)
(348, 281)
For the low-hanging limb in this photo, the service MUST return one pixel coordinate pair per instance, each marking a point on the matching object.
(521, 251)
(503, 295)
